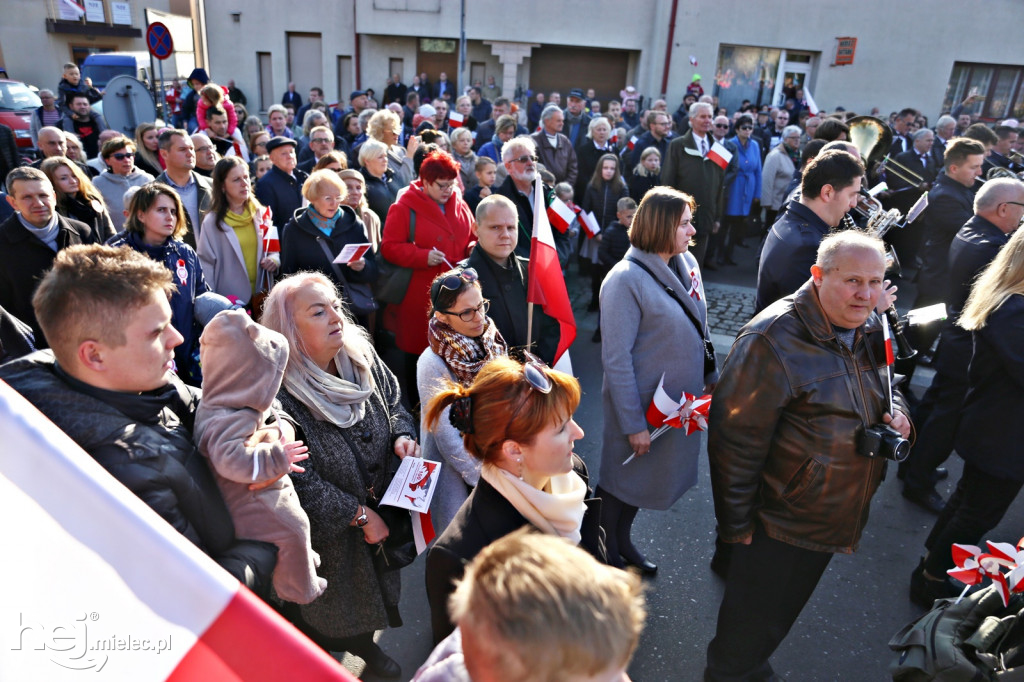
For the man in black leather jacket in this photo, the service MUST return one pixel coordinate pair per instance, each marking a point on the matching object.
(107, 383)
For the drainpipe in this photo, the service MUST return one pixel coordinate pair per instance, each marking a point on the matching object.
(668, 47)
(358, 64)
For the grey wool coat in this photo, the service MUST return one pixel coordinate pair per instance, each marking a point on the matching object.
(646, 333)
(331, 490)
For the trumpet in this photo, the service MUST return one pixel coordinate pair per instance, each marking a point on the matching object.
(1000, 172)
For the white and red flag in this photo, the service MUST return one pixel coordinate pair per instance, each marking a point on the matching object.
(720, 155)
(268, 230)
(890, 357)
(455, 119)
(560, 215)
(590, 224)
(632, 143)
(102, 583)
(546, 287)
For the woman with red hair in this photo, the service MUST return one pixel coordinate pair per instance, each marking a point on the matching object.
(428, 229)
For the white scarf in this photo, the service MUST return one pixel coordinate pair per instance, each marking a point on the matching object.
(339, 399)
(556, 511)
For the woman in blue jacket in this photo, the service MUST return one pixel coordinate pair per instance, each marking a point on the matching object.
(742, 188)
(155, 225)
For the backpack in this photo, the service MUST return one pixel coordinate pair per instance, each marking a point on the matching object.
(976, 640)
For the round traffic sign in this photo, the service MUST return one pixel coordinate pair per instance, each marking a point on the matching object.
(159, 41)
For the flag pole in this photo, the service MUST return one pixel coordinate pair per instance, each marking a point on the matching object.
(529, 327)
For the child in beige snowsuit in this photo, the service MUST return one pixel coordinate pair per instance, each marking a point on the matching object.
(243, 364)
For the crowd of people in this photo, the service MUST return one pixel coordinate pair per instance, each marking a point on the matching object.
(210, 252)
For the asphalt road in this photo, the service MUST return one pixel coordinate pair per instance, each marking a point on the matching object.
(843, 632)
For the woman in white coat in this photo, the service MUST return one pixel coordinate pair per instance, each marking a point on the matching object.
(653, 306)
(231, 245)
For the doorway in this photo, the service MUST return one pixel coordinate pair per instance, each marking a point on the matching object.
(794, 73)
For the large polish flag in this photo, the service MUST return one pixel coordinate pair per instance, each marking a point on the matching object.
(547, 285)
(97, 581)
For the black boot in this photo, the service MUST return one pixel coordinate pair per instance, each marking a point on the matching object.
(611, 510)
(628, 550)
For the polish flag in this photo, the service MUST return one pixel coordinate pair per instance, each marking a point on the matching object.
(590, 224)
(422, 530)
(890, 357)
(102, 583)
(560, 215)
(662, 406)
(271, 243)
(546, 287)
(720, 155)
(614, 139)
(632, 143)
(455, 120)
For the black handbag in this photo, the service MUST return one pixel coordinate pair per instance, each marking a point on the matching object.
(359, 295)
(709, 348)
(398, 549)
(393, 280)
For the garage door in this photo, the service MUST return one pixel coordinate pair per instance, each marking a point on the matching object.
(557, 67)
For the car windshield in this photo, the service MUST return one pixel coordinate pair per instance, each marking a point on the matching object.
(17, 97)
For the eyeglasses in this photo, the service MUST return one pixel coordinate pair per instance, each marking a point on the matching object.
(1015, 203)
(203, 149)
(746, 127)
(453, 282)
(721, 125)
(121, 156)
(527, 158)
(321, 140)
(470, 315)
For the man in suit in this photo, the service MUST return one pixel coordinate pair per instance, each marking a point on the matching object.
(553, 148)
(30, 240)
(291, 97)
(945, 130)
(687, 168)
(901, 141)
(395, 92)
(444, 88)
(903, 193)
(179, 155)
(1000, 154)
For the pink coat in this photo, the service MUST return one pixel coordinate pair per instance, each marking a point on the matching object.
(225, 104)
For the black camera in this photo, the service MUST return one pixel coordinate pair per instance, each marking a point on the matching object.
(882, 440)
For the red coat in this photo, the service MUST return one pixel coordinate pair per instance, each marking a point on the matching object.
(450, 232)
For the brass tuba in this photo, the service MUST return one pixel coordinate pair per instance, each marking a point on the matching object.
(873, 139)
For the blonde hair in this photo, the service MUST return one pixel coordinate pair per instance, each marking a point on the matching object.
(381, 121)
(369, 149)
(543, 609)
(279, 315)
(1001, 279)
(311, 190)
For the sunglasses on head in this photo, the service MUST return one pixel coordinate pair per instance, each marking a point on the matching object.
(454, 282)
(535, 374)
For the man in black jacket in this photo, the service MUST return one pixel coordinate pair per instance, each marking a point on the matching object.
(998, 210)
(30, 239)
(504, 277)
(281, 187)
(108, 384)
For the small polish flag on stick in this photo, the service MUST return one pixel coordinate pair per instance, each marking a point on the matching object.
(590, 224)
(422, 530)
(268, 230)
(455, 120)
(890, 359)
(632, 143)
(720, 155)
(560, 215)
(662, 406)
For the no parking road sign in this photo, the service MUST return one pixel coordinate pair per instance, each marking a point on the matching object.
(159, 41)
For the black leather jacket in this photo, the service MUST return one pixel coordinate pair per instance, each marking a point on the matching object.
(145, 442)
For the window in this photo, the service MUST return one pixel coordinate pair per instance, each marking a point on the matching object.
(999, 87)
(746, 73)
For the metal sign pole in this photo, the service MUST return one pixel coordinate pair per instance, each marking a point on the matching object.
(162, 102)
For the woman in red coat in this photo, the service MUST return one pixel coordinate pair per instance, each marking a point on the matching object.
(443, 232)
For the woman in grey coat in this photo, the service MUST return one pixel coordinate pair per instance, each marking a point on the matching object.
(649, 334)
(346, 407)
(461, 340)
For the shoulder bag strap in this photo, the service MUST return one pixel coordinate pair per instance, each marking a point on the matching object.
(330, 259)
(671, 292)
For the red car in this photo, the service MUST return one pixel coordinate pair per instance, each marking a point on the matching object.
(17, 102)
